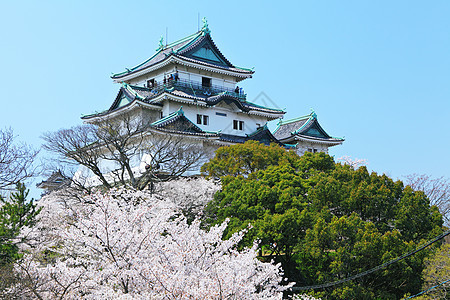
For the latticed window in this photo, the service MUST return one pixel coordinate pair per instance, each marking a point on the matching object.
(238, 125)
(202, 119)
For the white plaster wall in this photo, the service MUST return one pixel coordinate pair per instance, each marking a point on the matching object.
(303, 147)
(217, 122)
(158, 75)
(185, 73)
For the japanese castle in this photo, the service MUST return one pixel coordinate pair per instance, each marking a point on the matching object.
(190, 88)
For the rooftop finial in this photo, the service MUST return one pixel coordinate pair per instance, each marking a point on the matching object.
(205, 28)
(161, 44)
(313, 113)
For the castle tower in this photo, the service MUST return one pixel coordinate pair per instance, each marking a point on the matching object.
(190, 88)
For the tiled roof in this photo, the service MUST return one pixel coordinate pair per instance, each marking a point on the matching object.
(232, 138)
(177, 122)
(234, 69)
(304, 127)
(243, 105)
(262, 135)
(160, 55)
(184, 49)
(286, 128)
(129, 93)
(56, 180)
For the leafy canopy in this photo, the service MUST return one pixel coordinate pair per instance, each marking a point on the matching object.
(15, 213)
(323, 221)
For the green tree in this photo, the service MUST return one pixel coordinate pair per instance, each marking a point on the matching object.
(324, 221)
(244, 159)
(15, 213)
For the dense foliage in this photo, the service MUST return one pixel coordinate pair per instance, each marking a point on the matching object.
(16, 212)
(324, 221)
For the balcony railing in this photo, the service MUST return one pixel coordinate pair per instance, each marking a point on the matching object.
(197, 89)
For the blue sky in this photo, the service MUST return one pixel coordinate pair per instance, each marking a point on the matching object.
(375, 72)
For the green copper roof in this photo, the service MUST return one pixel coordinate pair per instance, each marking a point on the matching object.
(312, 115)
(246, 69)
(177, 113)
(198, 47)
(162, 48)
(264, 107)
(193, 36)
(258, 130)
(133, 92)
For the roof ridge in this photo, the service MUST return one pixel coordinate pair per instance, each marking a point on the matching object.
(159, 50)
(179, 112)
(128, 70)
(131, 90)
(303, 126)
(182, 40)
(260, 106)
(199, 33)
(281, 122)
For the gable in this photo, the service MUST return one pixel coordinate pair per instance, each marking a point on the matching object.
(184, 125)
(207, 51)
(315, 130)
(208, 54)
(227, 105)
(123, 101)
(263, 135)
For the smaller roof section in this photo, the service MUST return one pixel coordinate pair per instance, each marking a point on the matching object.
(177, 122)
(306, 128)
(56, 181)
(262, 135)
(126, 96)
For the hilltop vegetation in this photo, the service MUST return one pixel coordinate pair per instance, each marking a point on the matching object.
(322, 220)
(273, 215)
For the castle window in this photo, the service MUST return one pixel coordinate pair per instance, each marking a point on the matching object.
(202, 119)
(221, 114)
(206, 82)
(151, 83)
(238, 125)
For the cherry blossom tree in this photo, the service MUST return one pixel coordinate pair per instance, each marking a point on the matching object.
(190, 194)
(135, 245)
(353, 162)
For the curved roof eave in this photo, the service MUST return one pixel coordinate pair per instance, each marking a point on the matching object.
(209, 136)
(123, 109)
(331, 141)
(172, 58)
(202, 102)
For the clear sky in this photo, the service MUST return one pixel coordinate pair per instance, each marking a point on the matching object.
(375, 72)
